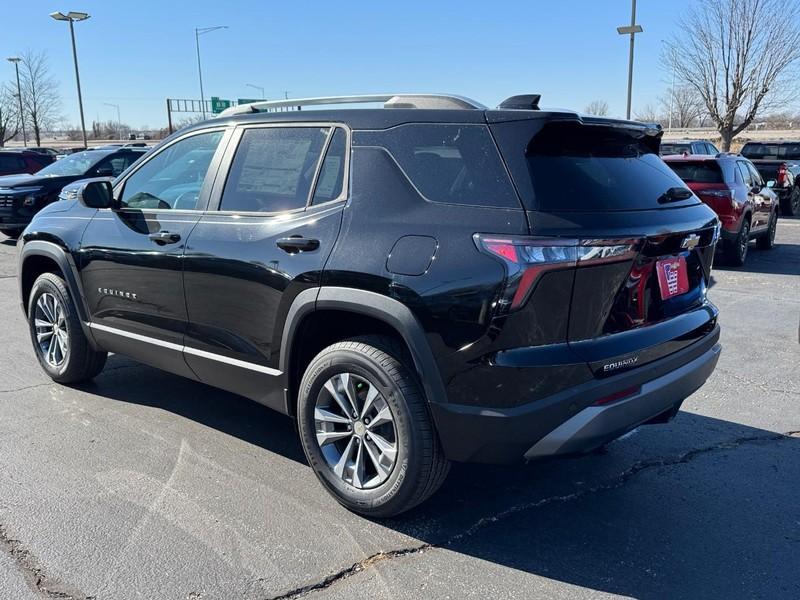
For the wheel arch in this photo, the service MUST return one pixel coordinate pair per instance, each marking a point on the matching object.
(389, 317)
(37, 257)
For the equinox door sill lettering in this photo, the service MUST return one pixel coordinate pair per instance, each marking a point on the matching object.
(188, 350)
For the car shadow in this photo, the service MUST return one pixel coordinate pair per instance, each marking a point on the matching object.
(9, 242)
(783, 259)
(700, 507)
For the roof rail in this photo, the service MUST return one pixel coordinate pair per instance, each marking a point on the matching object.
(446, 101)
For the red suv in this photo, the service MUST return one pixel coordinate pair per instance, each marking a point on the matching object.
(734, 189)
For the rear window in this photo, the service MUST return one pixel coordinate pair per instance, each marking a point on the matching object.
(706, 171)
(675, 149)
(454, 164)
(771, 151)
(568, 166)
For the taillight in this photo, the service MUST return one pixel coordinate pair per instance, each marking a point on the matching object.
(527, 258)
(781, 174)
(726, 194)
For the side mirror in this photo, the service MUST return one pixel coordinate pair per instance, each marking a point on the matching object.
(771, 183)
(96, 194)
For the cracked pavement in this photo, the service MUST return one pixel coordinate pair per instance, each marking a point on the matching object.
(144, 485)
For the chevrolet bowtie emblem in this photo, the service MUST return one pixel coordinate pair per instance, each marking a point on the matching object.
(690, 241)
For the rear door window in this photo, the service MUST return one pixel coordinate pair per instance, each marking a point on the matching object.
(569, 166)
(273, 169)
(453, 164)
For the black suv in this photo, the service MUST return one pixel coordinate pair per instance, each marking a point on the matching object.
(22, 196)
(415, 284)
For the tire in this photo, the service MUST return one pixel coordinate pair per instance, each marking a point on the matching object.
(12, 232)
(69, 358)
(791, 206)
(372, 367)
(767, 241)
(736, 251)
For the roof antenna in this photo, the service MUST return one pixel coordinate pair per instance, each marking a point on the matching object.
(522, 102)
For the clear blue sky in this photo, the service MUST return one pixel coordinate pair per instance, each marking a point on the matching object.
(137, 53)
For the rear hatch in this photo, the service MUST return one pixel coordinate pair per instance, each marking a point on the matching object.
(706, 178)
(645, 243)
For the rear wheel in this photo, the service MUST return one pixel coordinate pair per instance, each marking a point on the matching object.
(767, 241)
(736, 251)
(791, 206)
(58, 339)
(365, 428)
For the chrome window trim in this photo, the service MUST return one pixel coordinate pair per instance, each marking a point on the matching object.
(185, 349)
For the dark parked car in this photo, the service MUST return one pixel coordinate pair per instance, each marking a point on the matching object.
(52, 152)
(731, 185)
(22, 196)
(13, 162)
(688, 147)
(780, 162)
(416, 284)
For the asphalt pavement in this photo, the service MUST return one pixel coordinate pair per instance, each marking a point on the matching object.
(141, 484)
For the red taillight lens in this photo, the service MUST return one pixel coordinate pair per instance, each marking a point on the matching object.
(781, 174)
(618, 395)
(526, 259)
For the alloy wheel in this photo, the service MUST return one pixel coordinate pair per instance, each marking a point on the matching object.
(355, 430)
(744, 240)
(50, 322)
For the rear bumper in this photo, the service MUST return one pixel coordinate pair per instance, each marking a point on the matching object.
(596, 425)
(568, 422)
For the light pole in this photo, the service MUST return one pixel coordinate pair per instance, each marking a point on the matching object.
(16, 60)
(257, 87)
(119, 119)
(198, 31)
(72, 17)
(633, 29)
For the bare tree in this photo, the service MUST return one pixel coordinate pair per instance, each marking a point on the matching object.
(647, 114)
(9, 115)
(728, 51)
(41, 102)
(685, 105)
(597, 107)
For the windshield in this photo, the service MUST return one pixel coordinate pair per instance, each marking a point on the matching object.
(73, 165)
(771, 151)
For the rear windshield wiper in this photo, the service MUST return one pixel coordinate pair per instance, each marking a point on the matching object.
(675, 194)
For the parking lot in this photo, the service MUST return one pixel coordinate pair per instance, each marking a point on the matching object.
(145, 485)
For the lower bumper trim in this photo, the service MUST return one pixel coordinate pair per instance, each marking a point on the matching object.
(596, 425)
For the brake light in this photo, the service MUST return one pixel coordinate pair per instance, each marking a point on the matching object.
(781, 174)
(526, 259)
(726, 194)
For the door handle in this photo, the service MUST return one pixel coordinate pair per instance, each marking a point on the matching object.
(164, 237)
(297, 243)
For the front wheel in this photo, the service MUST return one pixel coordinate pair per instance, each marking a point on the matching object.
(365, 428)
(58, 339)
(767, 241)
(736, 250)
(791, 206)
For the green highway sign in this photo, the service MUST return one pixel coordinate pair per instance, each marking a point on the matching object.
(247, 101)
(218, 104)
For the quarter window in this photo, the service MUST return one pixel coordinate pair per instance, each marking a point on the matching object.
(331, 175)
(174, 177)
(273, 169)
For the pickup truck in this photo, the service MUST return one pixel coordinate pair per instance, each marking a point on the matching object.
(779, 162)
